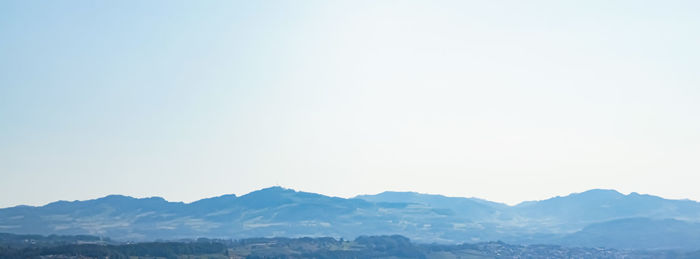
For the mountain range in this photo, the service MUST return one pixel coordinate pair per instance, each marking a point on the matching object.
(595, 218)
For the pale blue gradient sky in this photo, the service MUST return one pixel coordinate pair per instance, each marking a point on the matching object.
(503, 100)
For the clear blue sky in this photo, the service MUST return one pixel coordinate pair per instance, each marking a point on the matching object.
(503, 100)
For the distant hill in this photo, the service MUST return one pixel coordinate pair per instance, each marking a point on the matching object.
(636, 233)
(571, 220)
(580, 209)
(467, 207)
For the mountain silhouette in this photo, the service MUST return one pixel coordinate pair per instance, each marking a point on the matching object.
(575, 219)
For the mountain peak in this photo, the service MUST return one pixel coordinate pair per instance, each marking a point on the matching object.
(599, 193)
(113, 197)
(589, 195)
(124, 198)
(274, 190)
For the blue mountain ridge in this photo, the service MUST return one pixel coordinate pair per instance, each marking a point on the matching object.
(575, 220)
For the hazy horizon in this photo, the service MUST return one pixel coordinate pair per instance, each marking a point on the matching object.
(503, 100)
(345, 197)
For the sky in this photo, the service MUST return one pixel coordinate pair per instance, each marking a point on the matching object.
(502, 100)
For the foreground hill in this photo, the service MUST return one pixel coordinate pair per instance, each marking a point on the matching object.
(19, 246)
(572, 220)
